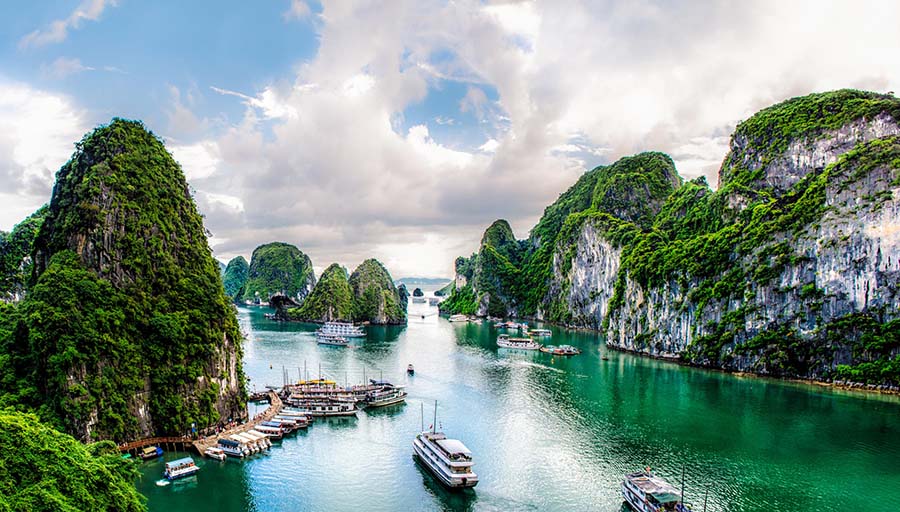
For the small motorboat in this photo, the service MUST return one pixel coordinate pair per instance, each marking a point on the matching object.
(150, 452)
(562, 350)
(410, 369)
(215, 453)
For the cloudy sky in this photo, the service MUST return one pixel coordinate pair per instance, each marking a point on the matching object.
(400, 130)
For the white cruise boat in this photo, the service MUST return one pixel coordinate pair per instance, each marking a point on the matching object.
(505, 341)
(542, 333)
(447, 459)
(646, 492)
(331, 339)
(328, 408)
(385, 396)
(458, 318)
(180, 468)
(343, 329)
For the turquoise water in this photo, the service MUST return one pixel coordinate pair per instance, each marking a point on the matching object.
(548, 433)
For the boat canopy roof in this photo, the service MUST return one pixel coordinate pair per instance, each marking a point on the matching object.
(229, 442)
(662, 491)
(179, 462)
(150, 449)
(453, 446)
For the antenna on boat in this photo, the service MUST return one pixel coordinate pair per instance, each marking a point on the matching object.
(434, 425)
(422, 417)
(306, 373)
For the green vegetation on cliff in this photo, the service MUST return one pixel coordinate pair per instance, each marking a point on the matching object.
(375, 298)
(235, 277)
(127, 331)
(331, 299)
(710, 251)
(278, 267)
(515, 275)
(15, 254)
(44, 470)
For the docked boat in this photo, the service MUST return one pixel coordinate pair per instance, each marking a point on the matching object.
(214, 452)
(332, 339)
(343, 329)
(386, 396)
(269, 431)
(540, 333)
(180, 468)
(505, 341)
(410, 369)
(150, 452)
(458, 318)
(646, 492)
(232, 448)
(562, 350)
(329, 408)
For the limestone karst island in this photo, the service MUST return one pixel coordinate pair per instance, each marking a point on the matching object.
(305, 255)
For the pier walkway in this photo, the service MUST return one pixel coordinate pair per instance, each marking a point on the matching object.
(275, 406)
(200, 445)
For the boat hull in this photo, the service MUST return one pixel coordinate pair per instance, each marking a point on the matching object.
(385, 403)
(182, 474)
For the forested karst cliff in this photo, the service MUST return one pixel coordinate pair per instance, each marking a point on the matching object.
(234, 277)
(126, 331)
(278, 267)
(375, 298)
(790, 267)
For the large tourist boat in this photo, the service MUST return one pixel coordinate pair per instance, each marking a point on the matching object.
(343, 329)
(645, 492)
(541, 333)
(385, 396)
(329, 408)
(180, 468)
(505, 341)
(331, 339)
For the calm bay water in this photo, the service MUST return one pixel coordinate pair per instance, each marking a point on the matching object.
(548, 433)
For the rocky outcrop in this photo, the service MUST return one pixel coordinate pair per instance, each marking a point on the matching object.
(790, 268)
(234, 277)
(16, 248)
(278, 267)
(330, 300)
(375, 298)
(126, 332)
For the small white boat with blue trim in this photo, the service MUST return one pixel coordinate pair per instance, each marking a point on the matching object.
(180, 468)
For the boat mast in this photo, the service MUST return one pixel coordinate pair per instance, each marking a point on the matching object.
(422, 417)
(434, 425)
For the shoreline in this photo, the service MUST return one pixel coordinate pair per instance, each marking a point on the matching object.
(856, 387)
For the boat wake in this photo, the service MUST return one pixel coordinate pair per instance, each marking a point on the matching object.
(163, 482)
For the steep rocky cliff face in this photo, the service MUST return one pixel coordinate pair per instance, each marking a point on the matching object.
(234, 277)
(127, 331)
(790, 268)
(278, 267)
(15, 255)
(330, 300)
(375, 298)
